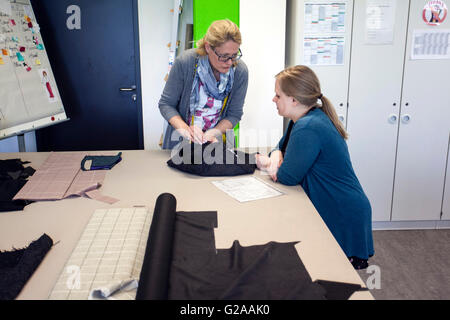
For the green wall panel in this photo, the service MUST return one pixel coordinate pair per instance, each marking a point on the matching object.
(207, 11)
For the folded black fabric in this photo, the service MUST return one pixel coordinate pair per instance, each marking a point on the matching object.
(101, 162)
(211, 160)
(13, 176)
(17, 267)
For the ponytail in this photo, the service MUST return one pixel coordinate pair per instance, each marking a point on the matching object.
(328, 109)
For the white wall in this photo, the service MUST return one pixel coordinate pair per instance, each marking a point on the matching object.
(263, 29)
(155, 23)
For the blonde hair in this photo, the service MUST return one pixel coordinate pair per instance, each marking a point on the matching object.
(301, 83)
(218, 33)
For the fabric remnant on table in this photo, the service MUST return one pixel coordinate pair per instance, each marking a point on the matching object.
(61, 177)
(100, 162)
(17, 266)
(13, 176)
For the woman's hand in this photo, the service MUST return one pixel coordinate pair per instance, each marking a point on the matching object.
(197, 134)
(212, 135)
(270, 165)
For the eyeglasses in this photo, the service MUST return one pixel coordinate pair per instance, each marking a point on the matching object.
(225, 58)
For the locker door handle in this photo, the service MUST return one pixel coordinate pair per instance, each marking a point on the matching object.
(393, 118)
(406, 118)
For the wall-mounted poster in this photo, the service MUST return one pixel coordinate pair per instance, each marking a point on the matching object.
(324, 33)
(380, 19)
(431, 44)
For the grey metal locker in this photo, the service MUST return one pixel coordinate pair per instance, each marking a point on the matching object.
(424, 130)
(374, 107)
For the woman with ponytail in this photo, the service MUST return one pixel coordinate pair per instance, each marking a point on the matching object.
(314, 154)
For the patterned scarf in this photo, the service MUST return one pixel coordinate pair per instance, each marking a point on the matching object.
(217, 89)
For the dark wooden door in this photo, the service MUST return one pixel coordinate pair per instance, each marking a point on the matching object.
(93, 46)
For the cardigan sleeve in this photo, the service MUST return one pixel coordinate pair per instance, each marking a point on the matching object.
(301, 154)
(173, 89)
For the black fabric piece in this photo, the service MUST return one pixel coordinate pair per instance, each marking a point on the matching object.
(101, 162)
(17, 267)
(339, 290)
(13, 177)
(212, 160)
(154, 277)
(198, 271)
(264, 272)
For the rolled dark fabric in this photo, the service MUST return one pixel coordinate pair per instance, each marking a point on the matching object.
(155, 272)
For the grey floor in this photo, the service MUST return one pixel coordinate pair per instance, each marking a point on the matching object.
(413, 265)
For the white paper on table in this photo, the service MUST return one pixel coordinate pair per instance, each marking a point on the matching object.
(247, 189)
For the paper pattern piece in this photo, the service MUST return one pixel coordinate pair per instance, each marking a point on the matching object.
(380, 17)
(431, 44)
(324, 33)
(5, 7)
(108, 257)
(247, 189)
(61, 177)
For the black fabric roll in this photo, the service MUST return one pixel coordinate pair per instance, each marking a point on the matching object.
(155, 272)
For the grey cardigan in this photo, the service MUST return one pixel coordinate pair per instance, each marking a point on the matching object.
(177, 91)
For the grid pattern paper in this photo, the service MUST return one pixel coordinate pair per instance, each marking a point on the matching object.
(111, 249)
(60, 177)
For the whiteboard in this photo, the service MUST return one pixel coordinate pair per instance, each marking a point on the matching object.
(29, 97)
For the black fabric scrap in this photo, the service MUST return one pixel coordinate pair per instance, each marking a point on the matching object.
(13, 177)
(17, 266)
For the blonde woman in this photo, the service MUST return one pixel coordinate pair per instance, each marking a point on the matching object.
(205, 92)
(314, 154)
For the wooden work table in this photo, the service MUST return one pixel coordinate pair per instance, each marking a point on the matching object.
(138, 180)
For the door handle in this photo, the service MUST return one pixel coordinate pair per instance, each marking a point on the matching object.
(392, 118)
(133, 88)
(341, 118)
(406, 118)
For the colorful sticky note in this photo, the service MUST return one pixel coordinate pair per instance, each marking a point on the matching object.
(5, 52)
(19, 56)
(37, 62)
(28, 69)
(30, 25)
(12, 22)
(22, 49)
(40, 47)
(1, 61)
